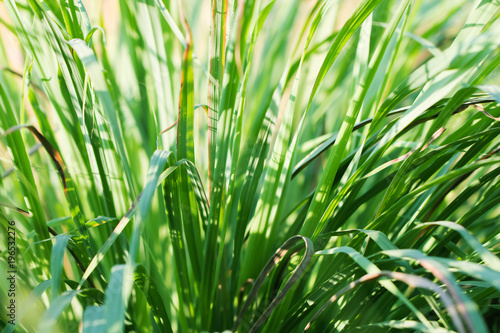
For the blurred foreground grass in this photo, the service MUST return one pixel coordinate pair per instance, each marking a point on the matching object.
(261, 166)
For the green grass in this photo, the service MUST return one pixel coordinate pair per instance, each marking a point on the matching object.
(251, 166)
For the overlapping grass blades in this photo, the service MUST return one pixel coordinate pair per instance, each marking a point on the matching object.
(344, 177)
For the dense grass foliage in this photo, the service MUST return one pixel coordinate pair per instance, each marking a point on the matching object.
(251, 166)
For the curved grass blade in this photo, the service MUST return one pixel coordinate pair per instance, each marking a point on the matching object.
(183, 279)
(185, 150)
(296, 275)
(465, 306)
(56, 263)
(94, 320)
(122, 276)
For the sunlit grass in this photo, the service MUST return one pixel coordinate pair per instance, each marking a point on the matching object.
(250, 166)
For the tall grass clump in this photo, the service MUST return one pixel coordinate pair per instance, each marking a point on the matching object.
(250, 166)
